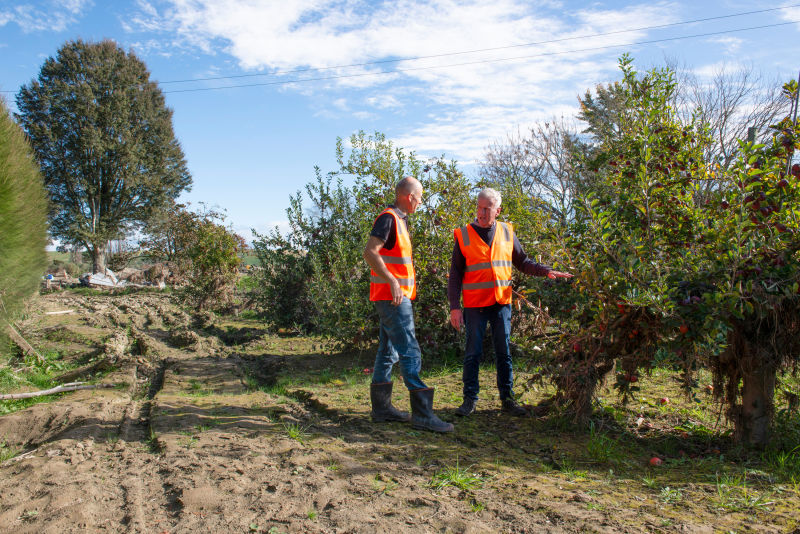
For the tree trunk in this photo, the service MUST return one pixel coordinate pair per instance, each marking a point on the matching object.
(99, 259)
(77, 255)
(758, 397)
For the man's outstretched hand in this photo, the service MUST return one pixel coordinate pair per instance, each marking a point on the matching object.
(558, 274)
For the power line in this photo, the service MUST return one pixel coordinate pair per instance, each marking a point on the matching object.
(448, 54)
(477, 62)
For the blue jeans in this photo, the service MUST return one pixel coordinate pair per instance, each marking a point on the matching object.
(397, 342)
(499, 318)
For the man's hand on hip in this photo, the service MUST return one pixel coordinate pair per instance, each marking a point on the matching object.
(456, 319)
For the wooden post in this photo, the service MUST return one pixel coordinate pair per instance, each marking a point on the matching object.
(794, 123)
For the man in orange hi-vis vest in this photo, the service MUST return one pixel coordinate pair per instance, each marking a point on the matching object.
(392, 288)
(480, 274)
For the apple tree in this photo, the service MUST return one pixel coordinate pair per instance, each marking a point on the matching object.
(740, 305)
(631, 240)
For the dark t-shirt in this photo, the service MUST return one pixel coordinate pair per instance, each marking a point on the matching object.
(458, 264)
(384, 228)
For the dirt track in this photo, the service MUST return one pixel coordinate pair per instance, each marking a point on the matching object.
(197, 442)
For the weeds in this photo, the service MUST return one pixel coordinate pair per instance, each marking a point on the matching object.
(456, 477)
(601, 448)
(296, 432)
(476, 506)
(153, 444)
(784, 464)
(28, 515)
(570, 471)
(6, 452)
(188, 442)
(196, 389)
(671, 495)
(11, 406)
(333, 465)
(733, 494)
(383, 484)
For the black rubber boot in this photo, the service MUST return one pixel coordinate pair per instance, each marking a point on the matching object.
(467, 407)
(422, 416)
(382, 409)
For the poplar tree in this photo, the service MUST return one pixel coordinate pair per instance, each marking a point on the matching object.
(103, 136)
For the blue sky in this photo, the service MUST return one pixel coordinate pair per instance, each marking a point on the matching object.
(485, 69)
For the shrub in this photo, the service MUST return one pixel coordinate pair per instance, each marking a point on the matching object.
(214, 257)
(315, 276)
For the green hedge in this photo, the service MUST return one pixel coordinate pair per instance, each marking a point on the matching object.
(23, 219)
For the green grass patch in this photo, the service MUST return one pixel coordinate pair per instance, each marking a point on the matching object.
(15, 405)
(457, 477)
(296, 432)
(7, 452)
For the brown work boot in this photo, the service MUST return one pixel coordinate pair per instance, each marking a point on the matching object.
(512, 407)
(467, 407)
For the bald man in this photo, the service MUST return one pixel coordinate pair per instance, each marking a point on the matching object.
(392, 288)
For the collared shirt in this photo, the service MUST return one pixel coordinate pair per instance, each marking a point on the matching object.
(458, 264)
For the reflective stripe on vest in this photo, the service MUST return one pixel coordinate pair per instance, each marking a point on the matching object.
(398, 262)
(487, 277)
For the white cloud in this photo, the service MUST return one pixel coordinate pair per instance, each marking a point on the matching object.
(790, 14)
(54, 15)
(384, 101)
(477, 93)
(731, 44)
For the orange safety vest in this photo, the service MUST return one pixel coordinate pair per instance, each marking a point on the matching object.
(398, 262)
(487, 278)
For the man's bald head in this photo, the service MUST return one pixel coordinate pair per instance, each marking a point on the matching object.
(408, 194)
(407, 185)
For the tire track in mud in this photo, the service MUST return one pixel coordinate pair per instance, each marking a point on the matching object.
(145, 489)
(135, 424)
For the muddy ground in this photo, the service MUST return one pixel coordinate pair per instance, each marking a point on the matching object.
(218, 425)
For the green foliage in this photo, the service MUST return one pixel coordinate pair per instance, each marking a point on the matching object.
(629, 238)
(213, 255)
(200, 249)
(23, 220)
(315, 277)
(677, 260)
(457, 477)
(168, 233)
(103, 137)
(7, 452)
(296, 432)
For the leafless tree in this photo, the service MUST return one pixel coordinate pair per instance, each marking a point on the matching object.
(728, 103)
(539, 163)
